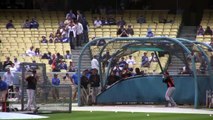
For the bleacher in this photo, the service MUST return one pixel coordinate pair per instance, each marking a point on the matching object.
(140, 30)
(16, 41)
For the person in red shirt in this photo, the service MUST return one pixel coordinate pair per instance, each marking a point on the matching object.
(168, 80)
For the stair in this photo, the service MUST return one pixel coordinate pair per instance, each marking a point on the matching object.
(86, 58)
(188, 32)
(175, 65)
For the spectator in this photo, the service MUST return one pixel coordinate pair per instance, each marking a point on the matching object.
(149, 33)
(104, 21)
(138, 72)
(72, 34)
(57, 40)
(85, 30)
(68, 55)
(101, 42)
(130, 31)
(121, 22)
(122, 32)
(112, 78)
(141, 19)
(9, 78)
(34, 23)
(145, 60)
(26, 24)
(44, 56)
(44, 40)
(63, 65)
(117, 70)
(95, 63)
(30, 52)
(71, 67)
(94, 81)
(153, 58)
(131, 62)
(74, 81)
(79, 33)
(79, 16)
(208, 31)
(10, 24)
(64, 39)
(3, 95)
(84, 88)
(97, 23)
(12, 68)
(122, 63)
(71, 15)
(17, 64)
(111, 20)
(55, 84)
(106, 57)
(200, 30)
(51, 38)
(37, 52)
(7, 62)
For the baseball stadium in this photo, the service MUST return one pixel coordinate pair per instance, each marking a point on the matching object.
(106, 59)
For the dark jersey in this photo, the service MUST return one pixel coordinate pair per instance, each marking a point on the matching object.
(31, 82)
(169, 81)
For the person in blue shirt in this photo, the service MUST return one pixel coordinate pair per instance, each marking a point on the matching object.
(55, 90)
(3, 93)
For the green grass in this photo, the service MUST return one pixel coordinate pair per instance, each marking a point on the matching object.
(125, 116)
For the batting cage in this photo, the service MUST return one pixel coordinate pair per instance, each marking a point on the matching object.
(46, 97)
(192, 77)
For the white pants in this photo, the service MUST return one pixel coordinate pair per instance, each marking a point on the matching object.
(170, 91)
(31, 99)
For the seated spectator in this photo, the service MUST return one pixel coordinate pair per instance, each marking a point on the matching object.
(104, 21)
(7, 62)
(71, 67)
(121, 22)
(10, 24)
(34, 23)
(37, 52)
(26, 24)
(130, 31)
(122, 63)
(17, 64)
(122, 32)
(208, 31)
(44, 56)
(64, 39)
(164, 20)
(101, 42)
(63, 65)
(30, 52)
(117, 70)
(97, 23)
(200, 30)
(68, 55)
(153, 58)
(111, 20)
(51, 38)
(126, 72)
(145, 60)
(149, 33)
(57, 40)
(141, 19)
(59, 56)
(138, 72)
(131, 62)
(71, 15)
(44, 40)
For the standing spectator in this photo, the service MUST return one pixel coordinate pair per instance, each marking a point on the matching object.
(68, 55)
(208, 31)
(130, 31)
(72, 34)
(95, 63)
(106, 58)
(26, 24)
(31, 88)
(85, 30)
(9, 79)
(121, 22)
(168, 80)
(200, 30)
(30, 52)
(122, 32)
(131, 62)
(79, 16)
(44, 40)
(7, 62)
(10, 24)
(3, 94)
(79, 33)
(55, 84)
(34, 23)
(145, 60)
(95, 84)
(97, 23)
